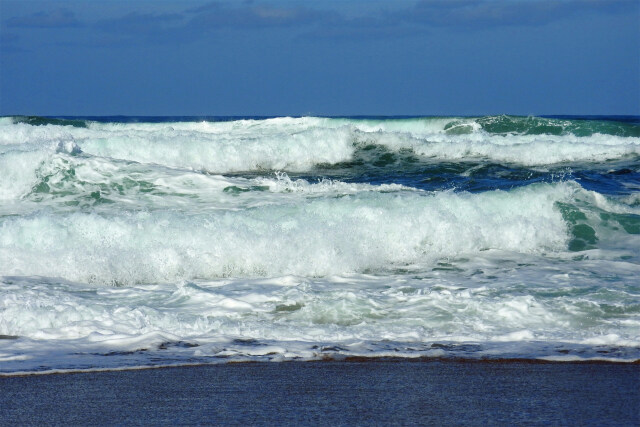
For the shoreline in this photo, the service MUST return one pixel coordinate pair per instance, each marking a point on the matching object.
(345, 359)
(332, 392)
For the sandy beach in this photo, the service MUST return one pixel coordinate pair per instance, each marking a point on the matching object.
(380, 392)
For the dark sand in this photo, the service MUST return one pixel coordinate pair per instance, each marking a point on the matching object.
(329, 393)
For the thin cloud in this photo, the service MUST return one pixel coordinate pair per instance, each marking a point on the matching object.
(250, 16)
(203, 21)
(302, 22)
(473, 14)
(136, 23)
(58, 18)
(378, 26)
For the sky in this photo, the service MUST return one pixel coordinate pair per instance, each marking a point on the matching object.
(336, 58)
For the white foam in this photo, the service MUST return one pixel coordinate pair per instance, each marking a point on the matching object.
(316, 237)
(530, 150)
(67, 180)
(298, 144)
(295, 317)
(18, 172)
(282, 183)
(274, 268)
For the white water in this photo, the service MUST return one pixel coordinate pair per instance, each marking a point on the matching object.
(125, 245)
(72, 326)
(299, 144)
(311, 237)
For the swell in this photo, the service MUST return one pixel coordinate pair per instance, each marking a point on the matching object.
(43, 121)
(624, 126)
(347, 230)
(310, 144)
(350, 233)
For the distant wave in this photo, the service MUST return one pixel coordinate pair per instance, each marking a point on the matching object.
(300, 144)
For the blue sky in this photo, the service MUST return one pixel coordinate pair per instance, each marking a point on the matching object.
(429, 57)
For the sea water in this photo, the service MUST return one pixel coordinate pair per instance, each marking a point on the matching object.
(130, 242)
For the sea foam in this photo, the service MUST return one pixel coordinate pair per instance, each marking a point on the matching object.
(145, 244)
(316, 237)
(299, 144)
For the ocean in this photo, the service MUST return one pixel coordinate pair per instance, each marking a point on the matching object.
(129, 242)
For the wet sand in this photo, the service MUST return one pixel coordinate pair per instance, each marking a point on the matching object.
(383, 392)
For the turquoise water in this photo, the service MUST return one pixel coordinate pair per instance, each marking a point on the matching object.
(132, 241)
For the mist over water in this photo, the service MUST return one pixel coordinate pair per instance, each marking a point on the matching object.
(130, 242)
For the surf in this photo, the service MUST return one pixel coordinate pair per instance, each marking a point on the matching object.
(143, 241)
